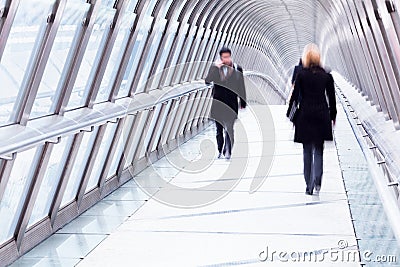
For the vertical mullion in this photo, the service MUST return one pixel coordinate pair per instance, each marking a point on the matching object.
(138, 147)
(207, 101)
(7, 24)
(114, 144)
(203, 107)
(193, 110)
(199, 105)
(6, 167)
(202, 49)
(90, 163)
(106, 53)
(42, 53)
(193, 49)
(181, 31)
(116, 84)
(74, 61)
(182, 64)
(65, 176)
(177, 118)
(33, 191)
(157, 127)
(168, 124)
(160, 51)
(128, 143)
(146, 50)
(207, 109)
(378, 83)
(185, 114)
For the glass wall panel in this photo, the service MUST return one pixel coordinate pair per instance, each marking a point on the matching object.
(131, 6)
(183, 63)
(66, 36)
(191, 59)
(115, 59)
(151, 54)
(27, 30)
(15, 193)
(2, 7)
(175, 57)
(135, 57)
(101, 156)
(120, 147)
(91, 58)
(51, 180)
(78, 169)
(136, 136)
(166, 51)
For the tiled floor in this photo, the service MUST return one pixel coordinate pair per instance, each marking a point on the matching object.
(155, 226)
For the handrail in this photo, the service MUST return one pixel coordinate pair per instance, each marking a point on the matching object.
(15, 138)
(267, 78)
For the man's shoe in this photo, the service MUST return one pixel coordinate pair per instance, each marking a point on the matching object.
(219, 155)
(308, 193)
(228, 156)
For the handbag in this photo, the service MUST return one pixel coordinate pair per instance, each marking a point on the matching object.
(295, 109)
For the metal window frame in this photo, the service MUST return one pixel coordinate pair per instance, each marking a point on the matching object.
(7, 19)
(110, 154)
(172, 135)
(140, 143)
(75, 58)
(107, 47)
(177, 77)
(35, 70)
(89, 164)
(153, 145)
(33, 191)
(168, 124)
(65, 176)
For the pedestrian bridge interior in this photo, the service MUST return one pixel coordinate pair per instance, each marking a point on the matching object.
(108, 156)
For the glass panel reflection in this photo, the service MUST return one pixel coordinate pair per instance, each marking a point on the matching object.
(66, 36)
(115, 59)
(120, 146)
(27, 29)
(92, 56)
(177, 51)
(101, 156)
(129, 156)
(76, 176)
(51, 180)
(164, 56)
(151, 55)
(16, 190)
(135, 57)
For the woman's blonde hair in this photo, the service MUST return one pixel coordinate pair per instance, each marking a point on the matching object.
(311, 56)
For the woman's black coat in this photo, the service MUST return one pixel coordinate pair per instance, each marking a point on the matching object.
(225, 94)
(313, 123)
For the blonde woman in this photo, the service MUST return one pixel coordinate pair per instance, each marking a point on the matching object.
(313, 122)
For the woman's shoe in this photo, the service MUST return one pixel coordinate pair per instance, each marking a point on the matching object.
(317, 188)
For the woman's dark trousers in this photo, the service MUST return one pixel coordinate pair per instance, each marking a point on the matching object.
(313, 165)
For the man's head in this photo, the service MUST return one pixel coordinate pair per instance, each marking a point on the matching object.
(226, 55)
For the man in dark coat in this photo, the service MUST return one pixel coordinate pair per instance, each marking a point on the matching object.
(227, 90)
